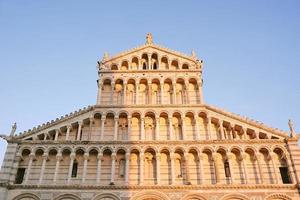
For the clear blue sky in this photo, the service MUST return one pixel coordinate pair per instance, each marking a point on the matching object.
(49, 49)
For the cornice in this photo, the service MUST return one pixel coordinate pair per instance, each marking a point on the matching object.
(148, 71)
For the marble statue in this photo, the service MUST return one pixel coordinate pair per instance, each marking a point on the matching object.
(13, 129)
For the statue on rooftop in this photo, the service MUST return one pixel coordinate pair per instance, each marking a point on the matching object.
(149, 39)
(13, 129)
(292, 130)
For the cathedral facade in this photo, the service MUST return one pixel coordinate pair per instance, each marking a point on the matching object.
(150, 136)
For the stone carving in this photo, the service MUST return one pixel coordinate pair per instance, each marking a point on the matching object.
(105, 57)
(292, 130)
(149, 39)
(13, 129)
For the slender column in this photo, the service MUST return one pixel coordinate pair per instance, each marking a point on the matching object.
(141, 168)
(98, 175)
(149, 93)
(216, 166)
(116, 128)
(102, 121)
(161, 93)
(243, 157)
(230, 157)
(125, 94)
(158, 168)
(72, 158)
(45, 157)
(127, 168)
(90, 128)
(174, 93)
(233, 132)
(245, 133)
(58, 159)
(113, 168)
(85, 162)
(129, 129)
(157, 128)
(142, 129)
(79, 130)
(45, 136)
(171, 135)
(56, 134)
(187, 170)
(200, 92)
(209, 127)
(272, 157)
(99, 92)
(68, 132)
(187, 92)
(137, 93)
(112, 93)
(221, 129)
(172, 158)
(183, 128)
(31, 157)
(200, 172)
(258, 159)
(196, 124)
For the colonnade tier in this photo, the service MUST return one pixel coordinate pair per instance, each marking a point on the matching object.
(155, 165)
(150, 125)
(152, 61)
(155, 90)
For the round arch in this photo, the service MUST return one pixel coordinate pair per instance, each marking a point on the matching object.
(235, 197)
(106, 196)
(193, 196)
(144, 195)
(26, 196)
(67, 197)
(278, 197)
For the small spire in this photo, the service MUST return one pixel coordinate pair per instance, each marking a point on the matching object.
(149, 38)
(194, 56)
(292, 130)
(105, 56)
(13, 129)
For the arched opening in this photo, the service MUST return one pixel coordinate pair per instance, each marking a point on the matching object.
(106, 167)
(185, 66)
(145, 63)
(180, 92)
(131, 88)
(238, 174)
(135, 127)
(109, 127)
(163, 127)
(174, 65)
(114, 67)
(155, 91)
(266, 166)
(106, 92)
(143, 92)
(202, 119)
(134, 63)
(193, 92)
(167, 99)
(180, 175)
(281, 167)
(252, 167)
(208, 167)
(124, 65)
(164, 64)
(123, 127)
(193, 167)
(120, 167)
(165, 167)
(150, 167)
(190, 131)
(92, 166)
(118, 92)
(149, 126)
(154, 61)
(134, 167)
(177, 126)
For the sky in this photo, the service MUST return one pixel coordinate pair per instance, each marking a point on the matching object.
(49, 51)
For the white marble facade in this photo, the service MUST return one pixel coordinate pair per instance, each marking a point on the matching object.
(150, 136)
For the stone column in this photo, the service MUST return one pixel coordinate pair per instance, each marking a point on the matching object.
(129, 129)
(158, 168)
(45, 157)
(258, 159)
(183, 128)
(187, 92)
(172, 159)
(174, 93)
(99, 92)
(230, 156)
(141, 168)
(116, 128)
(79, 130)
(137, 93)
(216, 166)
(142, 129)
(112, 93)
(209, 127)
(72, 158)
(31, 157)
(85, 162)
(157, 128)
(200, 172)
(243, 157)
(222, 129)
(187, 170)
(125, 94)
(102, 121)
(58, 159)
(45, 136)
(98, 174)
(90, 128)
(245, 133)
(127, 156)
(272, 157)
(68, 132)
(161, 93)
(196, 124)
(149, 93)
(200, 92)
(149, 61)
(56, 134)
(171, 135)
(113, 168)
